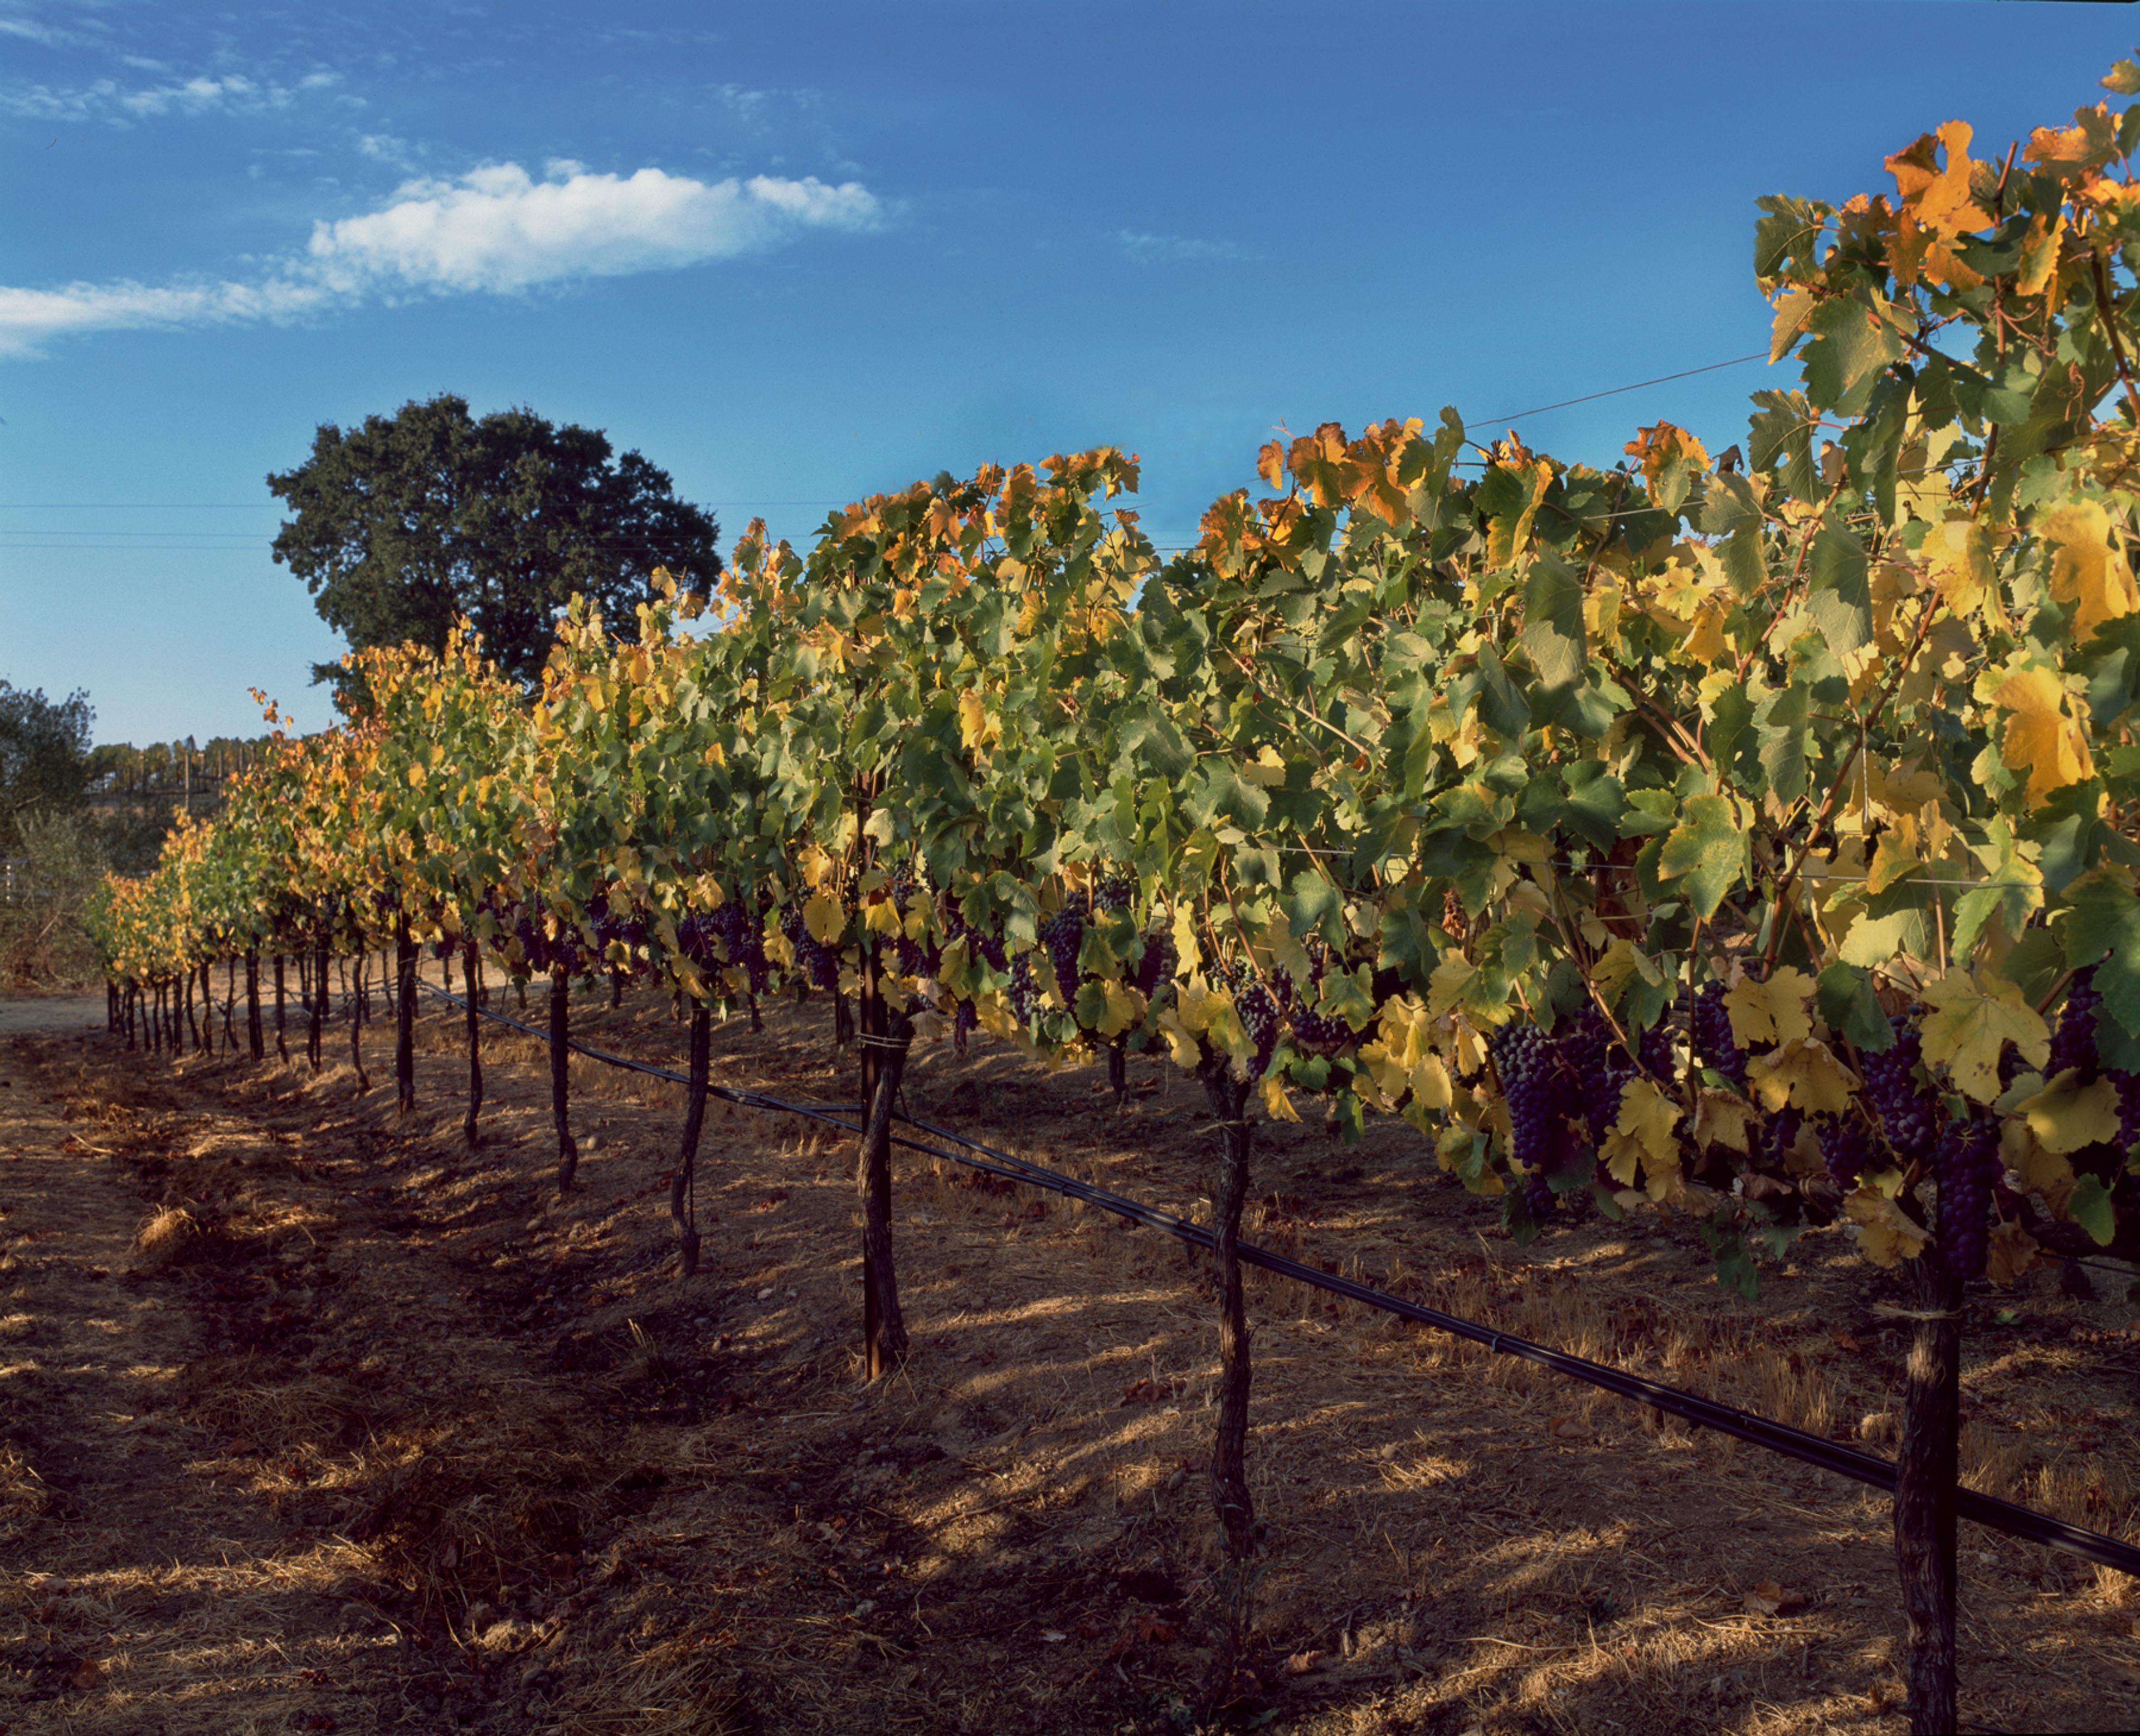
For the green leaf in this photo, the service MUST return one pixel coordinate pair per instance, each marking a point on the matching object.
(1840, 598)
(1706, 852)
(2103, 924)
(1595, 803)
(1730, 513)
(1851, 345)
(1844, 999)
(2089, 1206)
(1781, 437)
(1552, 624)
(1781, 725)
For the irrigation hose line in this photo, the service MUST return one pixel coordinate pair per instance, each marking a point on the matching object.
(1828, 1455)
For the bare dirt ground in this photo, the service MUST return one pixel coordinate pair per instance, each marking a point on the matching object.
(51, 1014)
(313, 1419)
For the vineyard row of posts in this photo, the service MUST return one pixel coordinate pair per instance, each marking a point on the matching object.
(1752, 839)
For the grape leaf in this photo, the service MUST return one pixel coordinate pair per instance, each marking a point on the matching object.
(1886, 1236)
(1771, 1012)
(2089, 1206)
(2068, 1116)
(1706, 851)
(2041, 734)
(2102, 929)
(1970, 1025)
(2088, 569)
(1804, 1074)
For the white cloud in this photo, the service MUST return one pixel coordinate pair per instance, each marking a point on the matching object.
(499, 228)
(495, 230)
(107, 100)
(1145, 248)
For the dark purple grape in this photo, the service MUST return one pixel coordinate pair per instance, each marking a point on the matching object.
(1114, 893)
(1846, 1147)
(1156, 963)
(1064, 936)
(1024, 997)
(1540, 1090)
(1259, 1021)
(1711, 1027)
(1908, 1112)
(1537, 1194)
(1968, 1163)
(2073, 1044)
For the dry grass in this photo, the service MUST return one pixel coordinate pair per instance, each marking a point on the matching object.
(396, 1417)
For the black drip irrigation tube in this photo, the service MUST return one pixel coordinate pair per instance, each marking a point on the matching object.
(1759, 1431)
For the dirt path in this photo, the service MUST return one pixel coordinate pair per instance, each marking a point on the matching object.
(50, 1015)
(311, 1418)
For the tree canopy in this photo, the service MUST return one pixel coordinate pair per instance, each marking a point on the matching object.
(44, 754)
(406, 521)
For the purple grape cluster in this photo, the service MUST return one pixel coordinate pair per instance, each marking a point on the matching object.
(1155, 964)
(1114, 894)
(1908, 1112)
(1314, 1033)
(1064, 936)
(1967, 1163)
(1711, 1027)
(628, 930)
(1846, 1147)
(2073, 1044)
(1024, 995)
(1541, 1091)
(1258, 1011)
(542, 954)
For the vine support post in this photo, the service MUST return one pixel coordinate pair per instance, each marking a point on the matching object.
(1118, 1071)
(111, 1007)
(1235, 1508)
(256, 1035)
(885, 1037)
(356, 999)
(1925, 1471)
(474, 1048)
(282, 1011)
(318, 1009)
(229, 1000)
(683, 1184)
(560, 1077)
(405, 1016)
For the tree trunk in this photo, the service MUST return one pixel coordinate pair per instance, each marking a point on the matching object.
(404, 1017)
(561, 1032)
(315, 1040)
(193, 1029)
(1118, 1071)
(256, 1035)
(683, 1193)
(281, 1001)
(229, 1001)
(884, 1038)
(1925, 1471)
(111, 1007)
(1228, 1098)
(153, 1018)
(756, 1018)
(474, 1048)
(356, 999)
(843, 1022)
(616, 987)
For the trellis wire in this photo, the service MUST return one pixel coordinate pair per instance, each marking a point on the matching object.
(1756, 1430)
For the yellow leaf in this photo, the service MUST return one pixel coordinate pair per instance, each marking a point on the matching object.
(1771, 1012)
(881, 916)
(1643, 1133)
(976, 727)
(1276, 1104)
(2088, 568)
(1805, 1073)
(2039, 252)
(2066, 1116)
(1970, 1025)
(2047, 1173)
(1722, 1118)
(2041, 733)
(1267, 769)
(1705, 643)
(1957, 557)
(1886, 1236)
(2012, 1252)
(1125, 1009)
(824, 918)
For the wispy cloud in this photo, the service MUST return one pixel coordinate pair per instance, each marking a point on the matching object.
(1147, 249)
(496, 230)
(108, 99)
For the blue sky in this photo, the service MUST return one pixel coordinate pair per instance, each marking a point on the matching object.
(798, 254)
